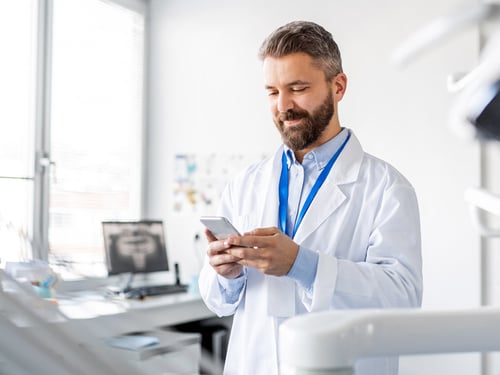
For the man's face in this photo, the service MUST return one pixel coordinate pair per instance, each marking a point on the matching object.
(301, 100)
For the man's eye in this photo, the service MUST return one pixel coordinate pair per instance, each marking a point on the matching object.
(298, 89)
(272, 93)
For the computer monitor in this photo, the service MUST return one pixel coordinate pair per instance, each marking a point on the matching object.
(135, 246)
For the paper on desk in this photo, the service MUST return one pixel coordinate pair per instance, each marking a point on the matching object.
(133, 342)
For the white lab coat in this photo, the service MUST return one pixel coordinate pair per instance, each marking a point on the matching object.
(364, 224)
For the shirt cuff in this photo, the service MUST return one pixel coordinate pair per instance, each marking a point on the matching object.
(304, 268)
(231, 288)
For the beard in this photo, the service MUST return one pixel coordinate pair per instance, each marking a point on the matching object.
(301, 136)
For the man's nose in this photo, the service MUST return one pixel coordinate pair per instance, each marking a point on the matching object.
(284, 102)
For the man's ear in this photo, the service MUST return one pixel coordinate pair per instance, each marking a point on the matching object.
(339, 86)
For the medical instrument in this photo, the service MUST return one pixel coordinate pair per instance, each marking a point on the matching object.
(331, 342)
(38, 337)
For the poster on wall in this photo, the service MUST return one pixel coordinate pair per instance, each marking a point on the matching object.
(199, 180)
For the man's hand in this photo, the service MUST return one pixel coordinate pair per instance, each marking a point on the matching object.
(223, 262)
(266, 249)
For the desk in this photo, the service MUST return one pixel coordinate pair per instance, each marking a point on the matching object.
(104, 316)
(120, 316)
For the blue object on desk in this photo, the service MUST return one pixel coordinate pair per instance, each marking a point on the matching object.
(49, 281)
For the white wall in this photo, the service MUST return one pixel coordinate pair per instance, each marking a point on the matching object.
(207, 96)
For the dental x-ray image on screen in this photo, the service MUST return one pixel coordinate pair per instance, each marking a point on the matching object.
(135, 247)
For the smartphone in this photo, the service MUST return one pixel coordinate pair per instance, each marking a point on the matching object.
(220, 227)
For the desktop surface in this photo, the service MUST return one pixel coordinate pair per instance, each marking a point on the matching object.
(114, 314)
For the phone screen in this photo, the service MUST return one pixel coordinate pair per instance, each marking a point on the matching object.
(220, 226)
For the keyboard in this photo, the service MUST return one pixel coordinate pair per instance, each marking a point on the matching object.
(155, 290)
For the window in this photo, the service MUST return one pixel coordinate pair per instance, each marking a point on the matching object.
(97, 70)
(90, 143)
(17, 95)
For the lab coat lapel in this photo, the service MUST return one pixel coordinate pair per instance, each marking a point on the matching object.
(270, 180)
(330, 196)
(280, 289)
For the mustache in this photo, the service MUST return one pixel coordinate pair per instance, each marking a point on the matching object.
(292, 115)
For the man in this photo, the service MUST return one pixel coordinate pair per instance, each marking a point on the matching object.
(327, 225)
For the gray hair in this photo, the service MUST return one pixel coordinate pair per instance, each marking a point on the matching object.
(305, 37)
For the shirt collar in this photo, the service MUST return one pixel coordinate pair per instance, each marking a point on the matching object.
(321, 155)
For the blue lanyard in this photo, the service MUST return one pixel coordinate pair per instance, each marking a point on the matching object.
(283, 189)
